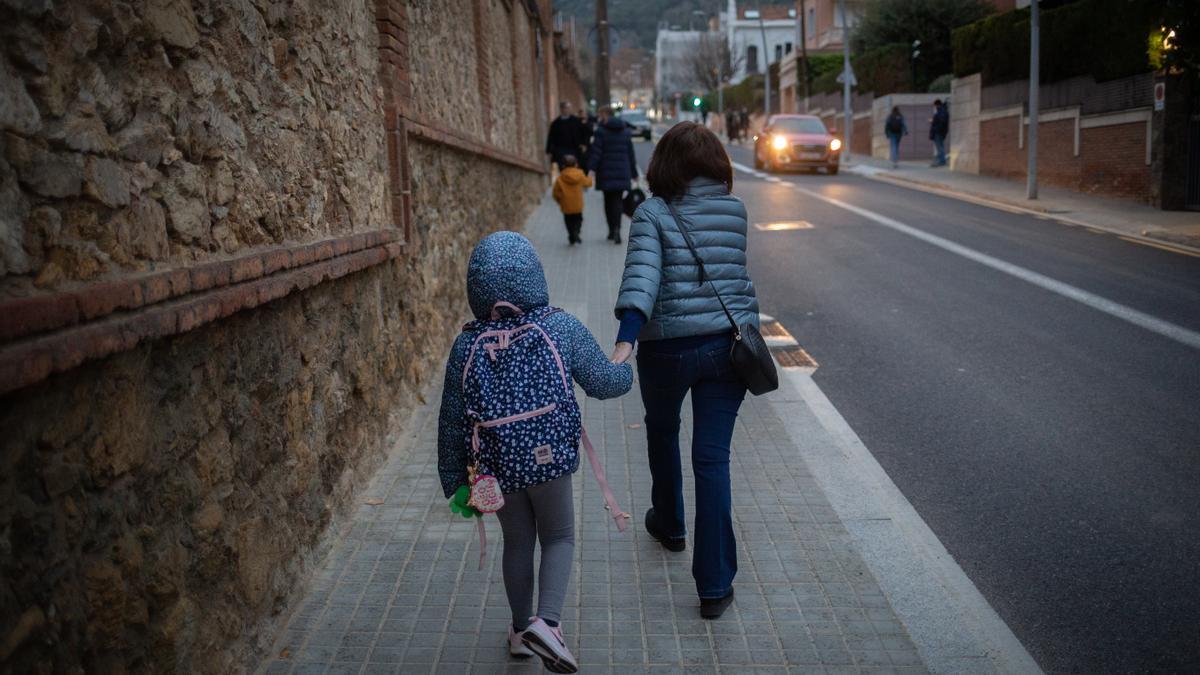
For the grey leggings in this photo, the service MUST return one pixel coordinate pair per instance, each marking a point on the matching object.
(545, 513)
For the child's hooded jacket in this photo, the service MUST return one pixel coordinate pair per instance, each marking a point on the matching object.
(505, 267)
(568, 190)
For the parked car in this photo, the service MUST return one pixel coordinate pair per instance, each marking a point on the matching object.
(797, 142)
(638, 121)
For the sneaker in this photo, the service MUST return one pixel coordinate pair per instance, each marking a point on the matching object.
(713, 608)
(548, 643)
(672, 544)
(516, 647)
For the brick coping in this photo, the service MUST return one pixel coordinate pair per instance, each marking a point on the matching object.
(51, 333)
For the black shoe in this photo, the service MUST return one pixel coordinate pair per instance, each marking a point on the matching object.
(672, 544)
(713, 608)
(617, 238)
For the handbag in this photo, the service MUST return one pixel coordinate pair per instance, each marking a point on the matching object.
(633, 199)
(752, 360)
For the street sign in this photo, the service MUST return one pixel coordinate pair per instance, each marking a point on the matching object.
(841, 78)
(1160, 95)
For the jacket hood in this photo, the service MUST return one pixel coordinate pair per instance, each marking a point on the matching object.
(572, 176)
(614, 123)
(505, 268)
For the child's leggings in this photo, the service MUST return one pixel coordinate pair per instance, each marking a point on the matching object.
(543, 513)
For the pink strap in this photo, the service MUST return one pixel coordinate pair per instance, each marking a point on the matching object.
(507, 305)
(482, 540)
(610, 500)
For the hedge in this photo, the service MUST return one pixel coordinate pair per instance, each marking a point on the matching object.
(1102, 38)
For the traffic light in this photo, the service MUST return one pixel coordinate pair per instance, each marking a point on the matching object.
(696, 102)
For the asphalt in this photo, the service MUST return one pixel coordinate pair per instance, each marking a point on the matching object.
(1053, 449)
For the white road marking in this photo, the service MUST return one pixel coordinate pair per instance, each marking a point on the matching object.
(1138, 318)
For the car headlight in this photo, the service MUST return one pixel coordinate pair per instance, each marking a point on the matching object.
(835, 145)
(779, 142)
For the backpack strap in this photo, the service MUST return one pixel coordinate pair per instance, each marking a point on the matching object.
(610, 500)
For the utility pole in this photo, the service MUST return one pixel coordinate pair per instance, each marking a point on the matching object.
(766, 65)
(1031, 187)
(849, 114)
(603, 95)
(803, 43)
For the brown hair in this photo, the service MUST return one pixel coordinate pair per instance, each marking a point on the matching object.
(687, 151)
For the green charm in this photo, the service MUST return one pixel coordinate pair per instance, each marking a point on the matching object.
(459, 505)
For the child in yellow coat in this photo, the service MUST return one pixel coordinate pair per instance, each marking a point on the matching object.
(568, 192)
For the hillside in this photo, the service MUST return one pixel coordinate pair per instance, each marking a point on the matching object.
(637, 20)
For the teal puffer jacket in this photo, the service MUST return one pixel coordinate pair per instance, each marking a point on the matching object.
(662, 280)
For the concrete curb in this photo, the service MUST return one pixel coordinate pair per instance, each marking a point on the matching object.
(991, 201)
(953, 626)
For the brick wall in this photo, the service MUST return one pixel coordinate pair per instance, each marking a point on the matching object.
(1111, 161)
(233, 247)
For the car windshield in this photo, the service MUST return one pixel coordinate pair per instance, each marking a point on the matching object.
(798, 125)
(634, 117)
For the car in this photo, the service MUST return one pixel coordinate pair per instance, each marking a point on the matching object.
(637, 120)
(797, 142)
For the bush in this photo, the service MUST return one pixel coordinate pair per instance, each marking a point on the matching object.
(941, 84)
(1102, 38)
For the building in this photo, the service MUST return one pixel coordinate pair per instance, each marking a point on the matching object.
(674, 69)
(824, 33)
(747, 30)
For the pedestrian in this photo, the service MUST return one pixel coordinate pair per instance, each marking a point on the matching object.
(731, 125)
(743, 123)
(895, 129)
(568, 192)
(939, 126)
(685, 344)
(518, 354)
(565, 135)
(612, 161)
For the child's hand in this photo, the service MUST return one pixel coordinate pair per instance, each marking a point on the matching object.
(459, 505)
(622, 352)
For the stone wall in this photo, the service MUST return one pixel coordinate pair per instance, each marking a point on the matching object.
(161, 502)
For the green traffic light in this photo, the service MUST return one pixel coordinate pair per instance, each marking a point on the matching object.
(696, 102)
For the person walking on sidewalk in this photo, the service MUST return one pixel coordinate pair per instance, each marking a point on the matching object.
(895, 129)
(524, 450)
(939, 126)
(612, 161)
(685, 343)
(568, 192)
(566, 135)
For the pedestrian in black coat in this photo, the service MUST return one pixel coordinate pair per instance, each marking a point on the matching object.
(566, 135)
(612, 161)
(939, 127)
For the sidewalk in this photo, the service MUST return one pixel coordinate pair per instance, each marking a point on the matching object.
(1121, 217)
(399, 591)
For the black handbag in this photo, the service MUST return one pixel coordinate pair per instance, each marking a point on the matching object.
(633, 199)
(752, 360)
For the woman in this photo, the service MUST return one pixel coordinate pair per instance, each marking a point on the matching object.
(611, 159)
(686, 340)
(895, 129)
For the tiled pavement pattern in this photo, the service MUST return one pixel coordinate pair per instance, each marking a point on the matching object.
(400, 592)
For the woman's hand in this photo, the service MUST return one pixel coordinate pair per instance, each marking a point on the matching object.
(622, 352)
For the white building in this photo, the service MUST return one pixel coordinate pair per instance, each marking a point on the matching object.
(744, 29)
(674, 71)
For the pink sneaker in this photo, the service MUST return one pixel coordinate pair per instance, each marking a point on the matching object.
(516, 647)
(548, 643)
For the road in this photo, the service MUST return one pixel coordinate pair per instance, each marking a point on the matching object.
(1049, 437)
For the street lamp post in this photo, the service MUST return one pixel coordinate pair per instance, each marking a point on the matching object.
(846, 76)
(915, 53)
(603, 95)
(1031, 187)
(766, 65)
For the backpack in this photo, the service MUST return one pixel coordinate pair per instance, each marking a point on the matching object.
(524, 425)
(633, 199)
(894, 125)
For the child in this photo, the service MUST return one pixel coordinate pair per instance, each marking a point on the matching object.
(525, 437)
(568, 192)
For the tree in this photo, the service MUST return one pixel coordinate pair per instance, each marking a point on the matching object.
(886, 23)
(712, 62)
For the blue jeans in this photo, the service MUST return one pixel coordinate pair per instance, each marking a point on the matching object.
(667, 370)
(939, 142)
(894, 142)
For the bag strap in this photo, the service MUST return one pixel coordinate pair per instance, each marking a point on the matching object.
(687, 239)
(610, 500)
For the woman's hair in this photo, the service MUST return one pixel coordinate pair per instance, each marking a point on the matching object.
(687, 151)
(896, 110)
